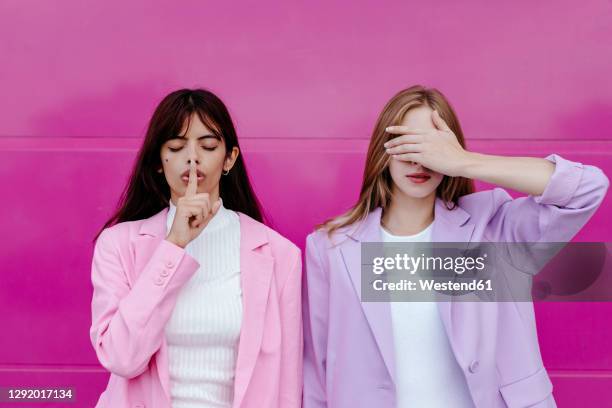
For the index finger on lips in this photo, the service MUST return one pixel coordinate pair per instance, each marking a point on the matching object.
(192, 185)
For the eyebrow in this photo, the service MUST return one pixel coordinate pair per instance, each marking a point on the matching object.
(208, 136)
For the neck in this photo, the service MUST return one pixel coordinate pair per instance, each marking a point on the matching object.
(407, 215)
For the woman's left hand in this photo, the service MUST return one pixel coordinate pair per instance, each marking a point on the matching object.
(437, 149)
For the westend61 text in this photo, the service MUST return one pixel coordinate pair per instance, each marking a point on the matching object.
(431, 285)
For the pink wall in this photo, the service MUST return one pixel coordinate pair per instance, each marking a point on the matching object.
(304, 83)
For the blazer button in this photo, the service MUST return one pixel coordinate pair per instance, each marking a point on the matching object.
(169, 263)
(474, 366)
(139, 406)
(159, 281)
(164, 272)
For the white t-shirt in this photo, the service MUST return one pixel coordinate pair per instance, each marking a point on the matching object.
(204, 330)
(427, 373)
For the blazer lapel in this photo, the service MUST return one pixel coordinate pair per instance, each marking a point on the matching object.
(256, 268)
(378, 314)
(449, 226)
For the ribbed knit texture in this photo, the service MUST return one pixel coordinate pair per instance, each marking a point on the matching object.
(204, 329)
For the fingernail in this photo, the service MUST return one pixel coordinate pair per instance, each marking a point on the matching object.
(387, 128)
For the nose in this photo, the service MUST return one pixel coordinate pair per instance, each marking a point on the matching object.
(420, 167)
(192, 154)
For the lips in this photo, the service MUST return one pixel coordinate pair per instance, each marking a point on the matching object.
(186, 179)
(418, 177)
(186, 174)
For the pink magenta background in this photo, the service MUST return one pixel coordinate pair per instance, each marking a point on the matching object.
(304, 82)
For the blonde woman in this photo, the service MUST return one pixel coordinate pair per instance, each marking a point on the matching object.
(417, 187)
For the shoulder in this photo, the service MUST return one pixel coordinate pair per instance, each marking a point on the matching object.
(287, 256)
(280, 246)
(323, 236)
(322, 240)
(119, 233)
(122, 233)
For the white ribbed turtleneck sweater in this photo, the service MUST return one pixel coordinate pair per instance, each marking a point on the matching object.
(204, 329)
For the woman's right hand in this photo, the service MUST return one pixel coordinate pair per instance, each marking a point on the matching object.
(193, 212)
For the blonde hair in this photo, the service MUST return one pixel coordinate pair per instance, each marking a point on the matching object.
(376, 185)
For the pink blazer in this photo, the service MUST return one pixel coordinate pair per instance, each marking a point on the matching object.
(137, 276)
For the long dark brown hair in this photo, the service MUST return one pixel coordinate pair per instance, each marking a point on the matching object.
(376, 184)
(147, 191)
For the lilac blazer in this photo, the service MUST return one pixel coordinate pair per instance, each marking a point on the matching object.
(349, 358)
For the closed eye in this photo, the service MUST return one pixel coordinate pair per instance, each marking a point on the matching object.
(176, 149)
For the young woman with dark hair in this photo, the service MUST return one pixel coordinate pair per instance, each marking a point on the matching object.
(196, 303)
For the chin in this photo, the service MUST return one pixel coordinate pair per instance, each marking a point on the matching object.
(417, 192)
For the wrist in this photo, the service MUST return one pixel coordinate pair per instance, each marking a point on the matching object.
(174, 241)
(469, 165)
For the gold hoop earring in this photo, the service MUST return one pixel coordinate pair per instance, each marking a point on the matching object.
(226, 172)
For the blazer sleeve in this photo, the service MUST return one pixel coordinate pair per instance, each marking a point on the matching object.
(292, 335)
(571, 197)
(128, 322)
(315, 312)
